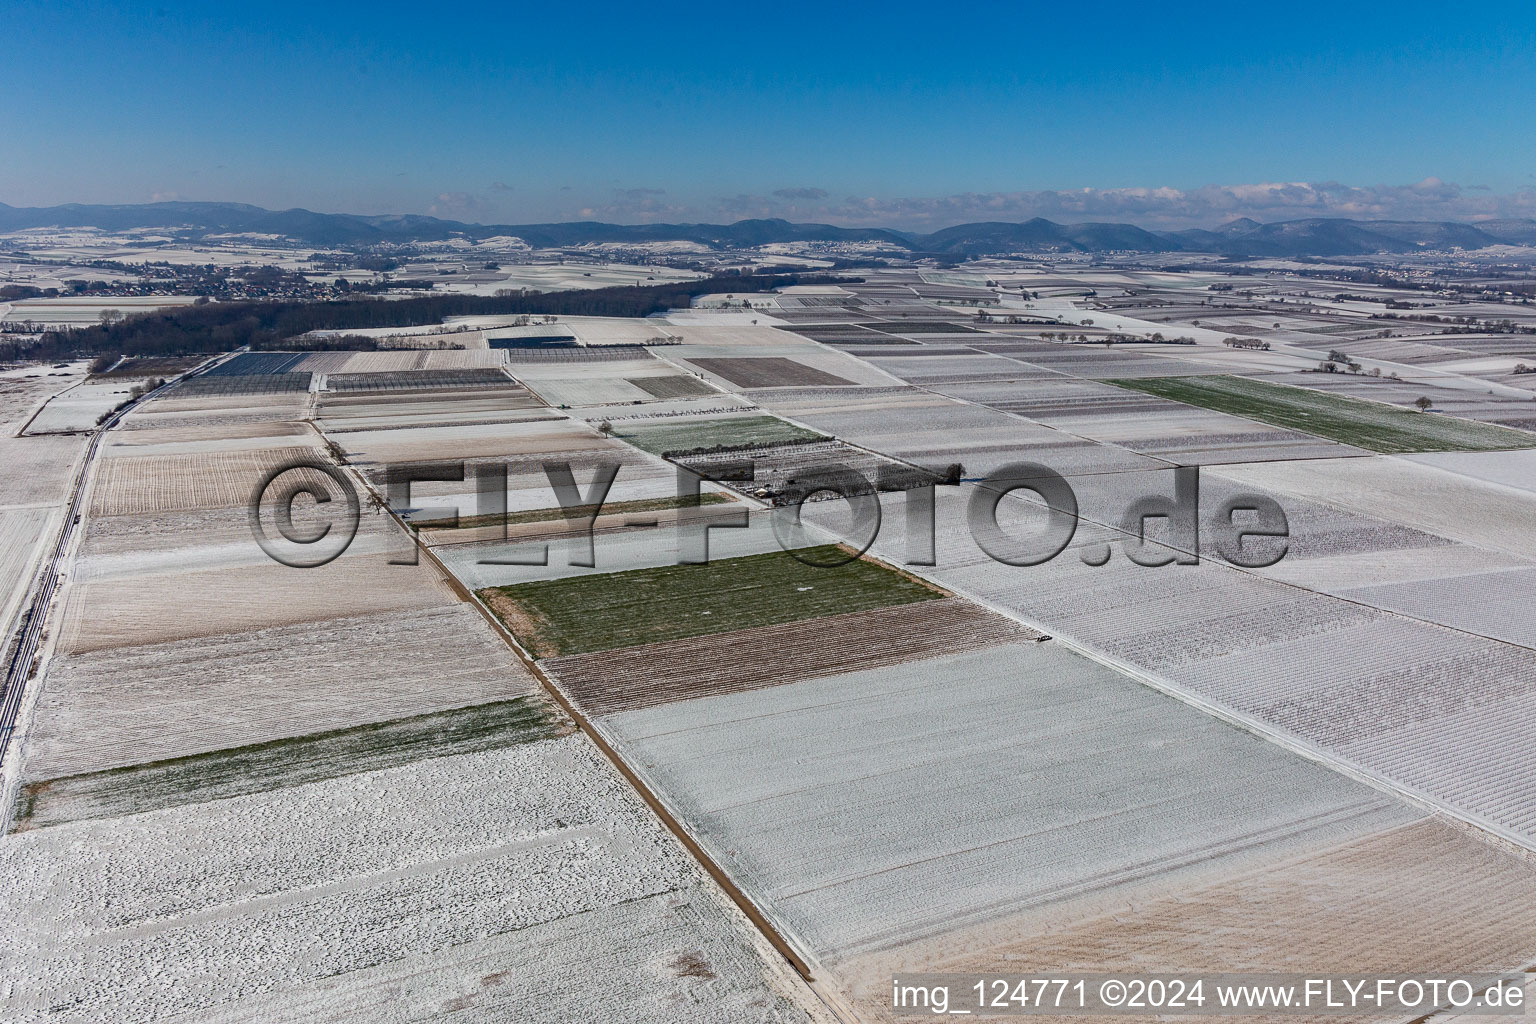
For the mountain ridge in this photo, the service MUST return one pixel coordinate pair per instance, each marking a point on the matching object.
(1242, 237)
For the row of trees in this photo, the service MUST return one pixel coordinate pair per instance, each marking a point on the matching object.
(223, 326)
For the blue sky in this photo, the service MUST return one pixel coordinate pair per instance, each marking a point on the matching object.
(897, 113)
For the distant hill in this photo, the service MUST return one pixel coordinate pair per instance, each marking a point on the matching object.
(201, 219)
(1322, 236)
(1041, 234)
(1515, 232)
(742, 234)
(1318, 236)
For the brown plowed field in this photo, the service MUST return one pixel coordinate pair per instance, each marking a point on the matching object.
(1400, 899)
(751, 659)
(767, 372)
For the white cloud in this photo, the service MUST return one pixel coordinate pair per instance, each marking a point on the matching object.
(459, 206)
(800, 193)
(1154, 207)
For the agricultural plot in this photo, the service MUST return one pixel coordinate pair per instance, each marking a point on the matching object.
(395, 362)
(145, 367)
(767, 372)
(322, 362)
(79, 408)
(640, 377)
(375, 411)
(899, 778)
(883, 345)
(807, 315)
(585, 391)
(789, 469)
(929, 430)
(24, 390)
(1335, 574)
(1169, 430)
(129, 547)
(419, 380)
(724, 334)
(22, 534)
(86, 310)
(731, 432)
(374, 450)
(919, 327)
(161, 701)
(500, 563)
(530, 339)
(283, 763)
(171, 408)
(205, 386)
(1396, 696)
(173, 541)
(847, 334)
(787, 360)
(379, 362)
(575, 512)
(205, 438)
(1404, 491)
(643, 606)
(386, 913)
(606, 330)
(610, 682)
(1449, 397)
(1119, 361)
(166, 483)
(530, 497)
(575, 354)
(841, 803)
(1406, 351)
(38, 470)
(1507, 469)
(673, 386)
(717, 403)
(1494, 603)
(1379, 916)
(248, 364)
(132, 610)
(1369, 425)
(925, 366)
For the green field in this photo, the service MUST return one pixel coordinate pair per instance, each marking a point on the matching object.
(612, 610)
(608, 508)
(279, 764)
(729, 431)
(1373, 426)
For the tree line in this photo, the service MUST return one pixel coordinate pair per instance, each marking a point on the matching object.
(223, 326)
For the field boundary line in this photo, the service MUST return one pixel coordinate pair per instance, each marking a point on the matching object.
(749, 907)
(1231, 716)
(32, 647)
(1250, 724)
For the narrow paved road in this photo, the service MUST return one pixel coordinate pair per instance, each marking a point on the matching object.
(19, 668)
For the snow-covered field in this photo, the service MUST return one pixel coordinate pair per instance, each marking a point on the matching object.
(127, 705)
(86, 310)
(250, 791)
(878, 806)
(526, 876)
(80, 407)
(1359, 905)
